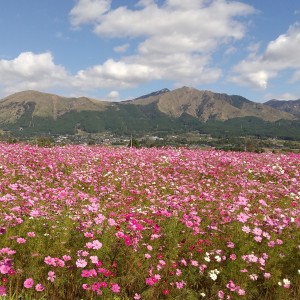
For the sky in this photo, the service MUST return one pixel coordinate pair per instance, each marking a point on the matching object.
(117, 50)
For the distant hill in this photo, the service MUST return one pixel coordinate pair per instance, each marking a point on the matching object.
(161, 112)
(157, 93)
(289, 106)
(206, 105)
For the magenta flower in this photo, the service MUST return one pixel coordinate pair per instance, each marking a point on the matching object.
(28, 283)
(2, 290)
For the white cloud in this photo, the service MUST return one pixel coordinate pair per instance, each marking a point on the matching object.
(31, 71)
(113, 96)
(88, 11)
(113, 74)
(284, 96)
(280, 54)
(121, 48)
(175, 40)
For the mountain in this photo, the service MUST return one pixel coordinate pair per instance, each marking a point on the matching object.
(289, 106)
(206, 105)
(156, 93)
(44, 105)
(162, 112)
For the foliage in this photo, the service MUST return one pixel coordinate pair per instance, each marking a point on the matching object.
(127, 119)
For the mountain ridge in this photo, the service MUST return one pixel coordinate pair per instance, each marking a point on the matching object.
(290, 106)
(163, 111)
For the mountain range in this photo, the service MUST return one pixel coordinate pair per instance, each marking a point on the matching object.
(161, 112)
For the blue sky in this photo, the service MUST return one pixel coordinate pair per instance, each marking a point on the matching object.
(116, 50)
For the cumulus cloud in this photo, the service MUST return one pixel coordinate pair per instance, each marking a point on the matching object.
(279, 55)
(31, 71)
(113, 96)
(88, 11)
(121, 48)
(175, 39)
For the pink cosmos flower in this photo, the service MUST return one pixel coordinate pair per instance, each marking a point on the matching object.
(103, 284)
(89, 273)
(271, 244)
(230, 245)
(60, 263)
(231, 286)
(286, 283)
(202, 268)
(253, 277)
(257, 231)
(21, 240)
(241, 292)
(89, 234)
(279, 242)
(137, 296)
(31, 234)
(81, 263)
(246, 229)
(178, 272)
(242, 217)
(85, 286)
(151, 281)
(166, 292)
(221, 294)
(94, 259)
(183, 261)
(194, 263)
(28, 283)
(50, 261)
(4, 269)
(232, 256)
(66, 257)
(39, 287)
(115, 288)
(111, 222)
(258, 238)
(51, 276)
(180, 284)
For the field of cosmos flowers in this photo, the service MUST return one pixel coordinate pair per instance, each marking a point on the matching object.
(79, 222)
